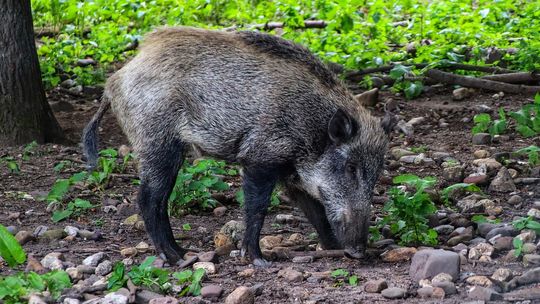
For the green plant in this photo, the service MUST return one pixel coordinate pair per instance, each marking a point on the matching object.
(10, 250)
(186, 227)
(29, 150)
(518, 246)
(107, 164)
(274, 199)
(118, 277)
(446, 192)
(75, 207)
(407, 212)
(149, 276)
(484, 123)
(16, 288)
(195, 183)
(419, 149)
(527, 222)
(479, 219)
(341, 275)
(532, 153)
(62, 186)
(12, 165)
(191, 281)
(61, 165)
(528, 118)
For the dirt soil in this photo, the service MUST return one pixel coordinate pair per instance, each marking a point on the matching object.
(73, 111)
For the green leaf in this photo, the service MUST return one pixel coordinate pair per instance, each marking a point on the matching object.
(186, 227)
(353, 280)
(57, 281)
(399, 71)
(340, 272)
(58, 190)
(10, 250)
(183, 276)
(35, 281)
(482, 118)
(413, 89)
(518, 245)
(118, 279)
(60, 215)
(525, 131)
(84, 204)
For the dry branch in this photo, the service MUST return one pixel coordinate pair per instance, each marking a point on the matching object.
(519, 77)
(274, 25)
(471, 82)
(358, 75)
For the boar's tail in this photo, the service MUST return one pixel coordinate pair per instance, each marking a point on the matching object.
(90, 134)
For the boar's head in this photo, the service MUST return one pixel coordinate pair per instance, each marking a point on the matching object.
(342, 178)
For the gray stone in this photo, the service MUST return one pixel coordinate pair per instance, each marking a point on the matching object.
(430, 262)
(484, 294)
(115, 298)
(503, 182)
(53, 234)
(453, 173)
(35, 299)
(502, 275)
(209, 256)
(394, 293)
(52, 261)
(285, 218)
(188, 262)
(72, 231)
(481, 139)
(23, 237)
(71, 301)
(94, 259)
(534, 212)
(485, 228)
(507, 230)
(490, 164)
(209, 267)
(528, 248)
(164, 300)
(220, 211)
(241, 295)
(397, 153)
(461, 93)
(531, 260)
(448, 287)
(303, 259)
(515, 200)
(104, 268)
(211, 291)
(144, 296)
(425, 292)
(375, 286)
(405, 127)
(234, 230)
(291, 275)
(12, 229)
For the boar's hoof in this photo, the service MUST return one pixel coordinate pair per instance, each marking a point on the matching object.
(261, 263)
(353, 253)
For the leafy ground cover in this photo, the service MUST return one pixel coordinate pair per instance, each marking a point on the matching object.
(82, 40)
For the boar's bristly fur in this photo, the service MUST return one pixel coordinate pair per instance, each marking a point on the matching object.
(257, 100)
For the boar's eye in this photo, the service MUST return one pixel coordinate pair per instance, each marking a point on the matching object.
(350, 170)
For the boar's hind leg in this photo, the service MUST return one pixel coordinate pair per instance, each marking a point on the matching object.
(316, 215)
(159, 165)
(258, 184)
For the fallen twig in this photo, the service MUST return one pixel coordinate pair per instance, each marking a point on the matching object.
(479, 83)
(274, 25)
(519, 77)
(358, 75)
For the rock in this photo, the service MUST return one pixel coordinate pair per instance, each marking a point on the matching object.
(527, 236)
(515, 200)
(209, 267)
(481, 154)
(375, 286)
(510, 257)
(53, 234)
(209, 256)
(285, 218)
(525, 295)
(270, 241)
(220, 211)
(490, 163)
(74, 273)
(482, 249)
(453, 241)
(430, 262)
(12, 229)
(40, 230)
(128, 252)
(225, 250)
(291, 275)
(397, 153)
(502, 182)
(34, 299)
(442, 277)
(471, 204)
(234, 230)
(132, 220)
(110, 209)
(145, 296)
(104, 268)
(72, 231)
(476, 178)
(406, 128)
(188, 261)
(444, 229)
(139, 225)
(53, 261)
(400, 254)
(115, 298)
(86, 62)
(211, 291)
(502, 275)
(221, 240)
(303, 259)
(94, 259)
(461, 93)
(535, 213)
(416, 121)
(453, 173)
(425, 292)
(126, 209)
(89, 235)
(247, 273)
(479, 280)
(484, 294)
(23, 237)
(503, 243)
(408, 159)
(528, 260)
(34, 265)
(164, 300)
(481, 139)
(241, 295)
(142, 247)
(528, 248)
(448, 287)
(71, 301)
(506, 230)
(394, 293)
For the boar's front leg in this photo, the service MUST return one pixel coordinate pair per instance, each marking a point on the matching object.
(258, 184)
(316, 215)
(159, 165)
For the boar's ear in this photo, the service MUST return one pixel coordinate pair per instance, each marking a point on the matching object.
(341, 127)
(388, 122)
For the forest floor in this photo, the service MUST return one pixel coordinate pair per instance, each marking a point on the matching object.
(444, 131)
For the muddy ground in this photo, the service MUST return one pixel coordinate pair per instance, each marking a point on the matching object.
(73, 111)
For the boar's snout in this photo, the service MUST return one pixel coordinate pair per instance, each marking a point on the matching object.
(353, 232)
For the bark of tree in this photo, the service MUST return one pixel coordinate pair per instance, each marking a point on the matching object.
(25, 114)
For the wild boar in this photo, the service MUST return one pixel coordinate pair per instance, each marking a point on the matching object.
(253, 99)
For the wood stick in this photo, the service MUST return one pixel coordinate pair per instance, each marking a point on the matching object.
(358, 75)
(478, 83)
(519, 77)
(274, 25)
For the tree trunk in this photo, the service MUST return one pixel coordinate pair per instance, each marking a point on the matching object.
(25, 114)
